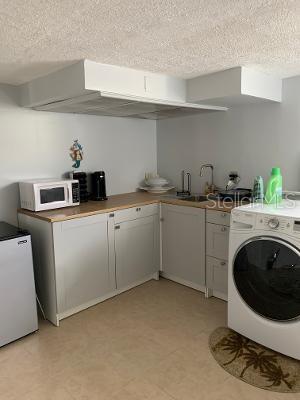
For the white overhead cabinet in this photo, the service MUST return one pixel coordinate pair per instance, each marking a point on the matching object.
(183, 245)
(91, 88)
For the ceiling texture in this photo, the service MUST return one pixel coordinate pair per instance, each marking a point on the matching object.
(184, 38)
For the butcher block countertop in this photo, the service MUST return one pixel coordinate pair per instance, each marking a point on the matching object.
(120, 202)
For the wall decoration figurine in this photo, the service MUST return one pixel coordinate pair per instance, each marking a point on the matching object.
(76, 153)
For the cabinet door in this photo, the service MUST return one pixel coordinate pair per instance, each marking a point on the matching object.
(217, 241)
(135, 245)
(81, 262)
(183, 245)
(217, 277)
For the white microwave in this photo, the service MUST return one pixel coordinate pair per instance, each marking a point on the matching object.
(47, 194)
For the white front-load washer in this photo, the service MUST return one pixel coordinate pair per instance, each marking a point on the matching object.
(264, 275)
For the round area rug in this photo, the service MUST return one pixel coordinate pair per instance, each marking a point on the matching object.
(253, 363)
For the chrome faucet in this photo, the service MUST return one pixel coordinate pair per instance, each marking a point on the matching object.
(204, 166)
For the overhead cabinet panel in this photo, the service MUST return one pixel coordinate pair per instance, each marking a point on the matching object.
(128, 81)
(98, 89)
(234, 86)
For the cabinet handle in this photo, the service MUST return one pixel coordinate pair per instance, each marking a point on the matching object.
(223, 229)
(117, 227)
(223, 263)
(111, 215)
(161, 219)
(223, 215)
(138, 209)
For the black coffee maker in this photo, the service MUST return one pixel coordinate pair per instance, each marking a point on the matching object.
(98, 186)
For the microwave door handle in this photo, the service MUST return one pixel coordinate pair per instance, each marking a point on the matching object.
(69, 195)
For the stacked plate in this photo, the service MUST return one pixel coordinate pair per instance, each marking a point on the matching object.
(156, 185)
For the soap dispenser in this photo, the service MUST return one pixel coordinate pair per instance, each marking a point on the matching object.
(274, 187)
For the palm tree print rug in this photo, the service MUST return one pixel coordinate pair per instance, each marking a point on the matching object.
(253, 363)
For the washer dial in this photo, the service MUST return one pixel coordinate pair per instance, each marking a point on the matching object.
(273, 223)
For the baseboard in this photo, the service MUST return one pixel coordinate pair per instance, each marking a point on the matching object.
(138, 283)
(84, 306)
(98, 300)
(192, 285)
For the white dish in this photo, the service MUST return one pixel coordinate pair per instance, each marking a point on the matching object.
(156, 182)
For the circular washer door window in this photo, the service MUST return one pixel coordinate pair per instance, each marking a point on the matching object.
(266, 273)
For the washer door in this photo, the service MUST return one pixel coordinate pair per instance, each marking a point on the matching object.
(266, 273)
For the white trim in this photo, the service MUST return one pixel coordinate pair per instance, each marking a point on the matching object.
(160, 238)
(154, 276)
(141, 99)
(219, 295)
(98, 300)
(84, 306)
(192, 285)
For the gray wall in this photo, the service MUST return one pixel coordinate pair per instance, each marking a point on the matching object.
(35, 145)
(248, 138)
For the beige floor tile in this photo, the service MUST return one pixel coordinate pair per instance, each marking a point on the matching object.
(234, 389)
(48, 393)
(148, 343)
(141, 390)
(186, 374)
(94, 381)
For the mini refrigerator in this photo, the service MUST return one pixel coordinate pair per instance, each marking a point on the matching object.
(18, 313)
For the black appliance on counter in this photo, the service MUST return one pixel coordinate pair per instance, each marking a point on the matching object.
(83, 188)
(98, 186)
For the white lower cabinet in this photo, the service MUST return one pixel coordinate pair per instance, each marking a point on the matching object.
(82, 263)
(183, 245)
(217, 277)
(135, 251)
(71, 262)
(217, 243)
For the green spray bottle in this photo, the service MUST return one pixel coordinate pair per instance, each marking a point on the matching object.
(274, 187)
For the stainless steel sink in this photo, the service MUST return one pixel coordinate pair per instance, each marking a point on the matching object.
(196, 198)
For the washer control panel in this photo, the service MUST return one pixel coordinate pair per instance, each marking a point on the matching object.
(271, 222)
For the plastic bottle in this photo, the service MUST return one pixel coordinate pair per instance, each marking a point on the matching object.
(258, 189)
(274, 187)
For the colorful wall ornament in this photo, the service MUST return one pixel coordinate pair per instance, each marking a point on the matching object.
(76, 153)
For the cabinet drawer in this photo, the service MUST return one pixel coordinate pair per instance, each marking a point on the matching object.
(218, 217)
(217, 277)
(217, 241)
(135, 212)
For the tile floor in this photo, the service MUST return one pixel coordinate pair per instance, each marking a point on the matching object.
(148, 343)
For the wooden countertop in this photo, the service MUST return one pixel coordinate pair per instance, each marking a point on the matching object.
(120, 202)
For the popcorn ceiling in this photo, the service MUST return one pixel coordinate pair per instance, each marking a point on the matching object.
(185, 38)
